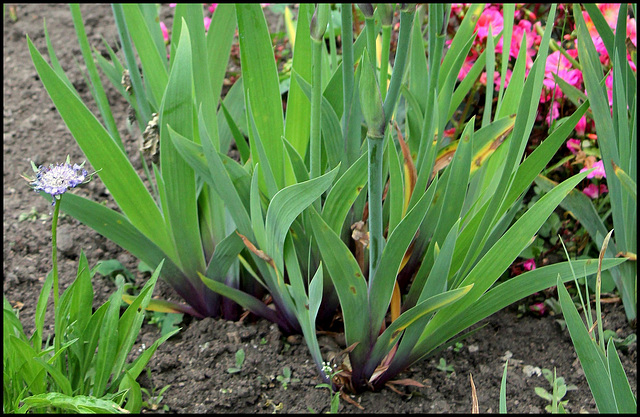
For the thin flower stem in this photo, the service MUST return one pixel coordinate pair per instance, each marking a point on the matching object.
(402, 51)
(371, 39)
(384, 59)
(332, 46)
(54, 250)
(347, 74)
(54, 258)
(375, 202)
(316, 103)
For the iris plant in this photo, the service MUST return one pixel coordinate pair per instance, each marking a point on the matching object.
(397, 241)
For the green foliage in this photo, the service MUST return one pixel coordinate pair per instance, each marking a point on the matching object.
(167, 322)
(304, 215)
(38, 377)
(602, 367)
(442, 366)
(559, 390)
(285, 379)
(153, 399)
(239, 362)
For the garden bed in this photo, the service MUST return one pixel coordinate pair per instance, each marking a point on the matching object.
(196, 361)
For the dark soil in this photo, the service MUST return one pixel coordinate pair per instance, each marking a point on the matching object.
(196, 360)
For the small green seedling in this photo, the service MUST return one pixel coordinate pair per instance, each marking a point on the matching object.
(458, 346)
(618, 342)
(442, 366)
(239, 362)
(559, 391)
(167, 322)
(334, 395)
(32, 216)
(154, 398)
(285, 379)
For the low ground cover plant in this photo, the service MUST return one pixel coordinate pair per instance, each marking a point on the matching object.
(381, 196)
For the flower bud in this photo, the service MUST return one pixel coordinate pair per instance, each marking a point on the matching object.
(408, 7)
(386, 13)
(370, 99)
(319, 21)
(366, 9)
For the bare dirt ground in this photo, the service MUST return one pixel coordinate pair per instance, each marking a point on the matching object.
(195, 362)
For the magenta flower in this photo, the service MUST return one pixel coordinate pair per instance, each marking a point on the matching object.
(610, 12)
(553, 114)
(593, 191)
(469, 60)
(559, 65)
(529, 264)
(581, 127)
(212, 8)
(608, 82)
(165, 32)
(631, 31)
(490, 16)
(538, 308)
(520, 30)
(598, 172)
(574, 145)
(207, 23)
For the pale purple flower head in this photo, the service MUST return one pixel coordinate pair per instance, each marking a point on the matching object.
(56, 180)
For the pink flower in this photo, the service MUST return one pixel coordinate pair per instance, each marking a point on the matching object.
(593, 191)
(212, 8)
(574, 145)
(491, 17)
(207, 22)
(468, 63)
(520, 30)
(172, 4)
(165, 32)
(554, 113)
(608, 82)
(558, 64)
(538, 308)
(581, 127)
(631, 30)
(529, 264)
(610, 12)
(598, 172)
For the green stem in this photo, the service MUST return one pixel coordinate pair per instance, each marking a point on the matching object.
(316, 103)
(376, 241)
(402, 51)
(371, 39)
(384, 59)
(332, 45)
(347, 74)
(54, 258)
(54, 250)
